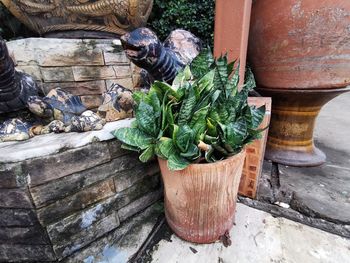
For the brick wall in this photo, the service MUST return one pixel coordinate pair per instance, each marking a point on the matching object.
(52, 206)
(83, 67)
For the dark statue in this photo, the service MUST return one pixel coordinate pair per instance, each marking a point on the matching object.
(161, 60)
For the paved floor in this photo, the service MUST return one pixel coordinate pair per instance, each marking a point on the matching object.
(324, 191)
(259, 237)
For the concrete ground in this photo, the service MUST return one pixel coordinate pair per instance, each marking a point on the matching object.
(320, 192)
(259, 237)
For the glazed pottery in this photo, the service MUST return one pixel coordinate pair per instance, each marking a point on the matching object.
(200, 200)
(300, 54)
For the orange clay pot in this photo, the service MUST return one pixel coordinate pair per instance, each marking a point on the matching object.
(300, 44)
(299, 51)
(200, 200)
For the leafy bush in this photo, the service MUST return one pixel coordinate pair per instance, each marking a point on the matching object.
(196, 16)
(202, 116)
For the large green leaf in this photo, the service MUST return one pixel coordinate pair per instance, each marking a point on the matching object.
(153, 100)
(257, 115)
(146, 119)
(202, 63)
(165, 147)
(192, 153)
(198, 122)
(182, 78)
(187, 107)
(236, 132)
(183, 137)
(166, 89)
(147, 154)
(134, 137)
(176, 162)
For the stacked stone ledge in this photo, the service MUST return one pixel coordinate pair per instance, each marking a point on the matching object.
(83, 67)
(52, 206)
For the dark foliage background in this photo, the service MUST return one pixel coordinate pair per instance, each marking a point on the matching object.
(196, 16)
(10, 27)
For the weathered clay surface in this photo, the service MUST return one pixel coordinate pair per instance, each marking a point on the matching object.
(300, 44)
(190, 196)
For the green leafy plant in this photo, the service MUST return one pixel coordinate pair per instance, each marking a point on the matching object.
(196, 16)
(200, 117)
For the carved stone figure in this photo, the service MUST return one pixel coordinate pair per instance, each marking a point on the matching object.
(117, 103)
(14, 130)
(57, 105)
(111, 16)
(15, 87)
(162, 61)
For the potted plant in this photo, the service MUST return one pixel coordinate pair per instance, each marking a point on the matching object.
(198, 127)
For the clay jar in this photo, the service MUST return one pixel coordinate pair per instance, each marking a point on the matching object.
(299, 51)
(200, 200)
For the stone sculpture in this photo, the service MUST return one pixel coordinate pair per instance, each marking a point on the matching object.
(24, 114)
(110, 16)
(15, 87)
(117, 104)
(64, 112)
(161, 60)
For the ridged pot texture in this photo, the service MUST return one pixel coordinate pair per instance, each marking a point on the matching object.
(200, 200)
(300, 44)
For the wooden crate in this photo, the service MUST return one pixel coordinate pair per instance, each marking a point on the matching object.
(255, 153)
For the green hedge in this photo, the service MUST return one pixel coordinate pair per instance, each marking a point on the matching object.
(196, 16)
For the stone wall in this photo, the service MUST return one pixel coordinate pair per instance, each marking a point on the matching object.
(52, 205)
(83, 67)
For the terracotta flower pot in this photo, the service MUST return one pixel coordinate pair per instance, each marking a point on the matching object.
(300, 54)
(200, 200)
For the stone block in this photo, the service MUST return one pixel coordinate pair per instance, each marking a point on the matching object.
(115, 150)
(145, 185)
(32, 70)
(122, 71)
(12, 175)
(86, 236)
(11, 217)
(57, 74)
(63, 230)
(23, 53)
(85, 73)
(139, 205)
(44, 169)
(48, 193)
(76, 202)
(127, 178)
(91, 101)
(122, 243)
(125, 82)
(113, 58)
(26, 253)
(30, 235)
(15, 198)
(78, 88)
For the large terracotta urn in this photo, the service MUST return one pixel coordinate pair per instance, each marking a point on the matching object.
(299, 51)
(200, 200)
